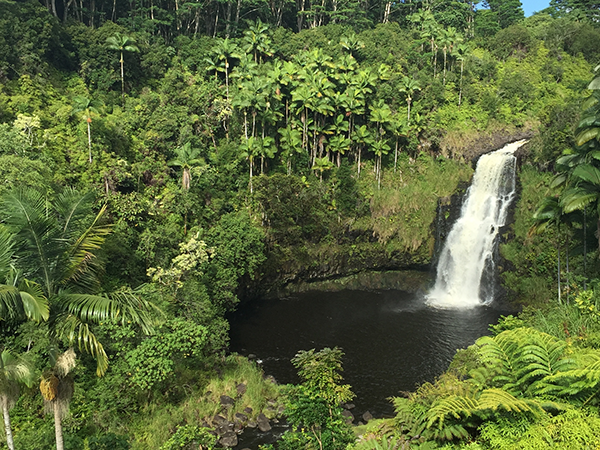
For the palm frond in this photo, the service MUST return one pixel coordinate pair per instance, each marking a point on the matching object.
(80, 268)
(76, 332)
(25, 214)
(577, 198)
(588, 173)
(35, 304)
(122, 307)
(16, 369)
(587, 135)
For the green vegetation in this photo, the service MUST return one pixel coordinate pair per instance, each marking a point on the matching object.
(161, 161)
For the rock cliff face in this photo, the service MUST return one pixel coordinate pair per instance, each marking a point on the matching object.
(335, 263)
(487, 143)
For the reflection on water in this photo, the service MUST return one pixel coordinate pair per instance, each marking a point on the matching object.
(392, 340)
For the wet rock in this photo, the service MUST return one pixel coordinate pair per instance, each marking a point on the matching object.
(241, 389)
(225, 428)
(270, 379)
(229, 440)
(251, 424)
(219, 420)
(348, 416)
(239, 417)
(248, 410)
(359, 424)
(263, 423)
(349, 405)
(264, 426)
(367, 416)
(227, 401)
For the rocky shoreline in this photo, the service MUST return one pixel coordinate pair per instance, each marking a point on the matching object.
(227, 431)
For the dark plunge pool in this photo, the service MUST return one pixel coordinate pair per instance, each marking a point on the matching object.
(392, 340)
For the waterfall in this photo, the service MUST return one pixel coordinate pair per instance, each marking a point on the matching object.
(467, 257)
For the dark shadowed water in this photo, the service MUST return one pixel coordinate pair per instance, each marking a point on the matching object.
(392, 340)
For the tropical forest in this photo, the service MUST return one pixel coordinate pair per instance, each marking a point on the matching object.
(168, 168)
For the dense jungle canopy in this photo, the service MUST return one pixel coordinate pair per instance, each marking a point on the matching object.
(161, 160)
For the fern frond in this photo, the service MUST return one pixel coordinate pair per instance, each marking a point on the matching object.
(495, 399)
(454, 406)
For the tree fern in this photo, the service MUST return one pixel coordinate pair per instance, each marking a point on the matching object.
(520, 359)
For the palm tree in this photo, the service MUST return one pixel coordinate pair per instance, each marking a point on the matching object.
(56, 241)
(88, 108)
(224, 51)
(321, 165)
(351, 43)
(122, 43)
(13, 372)
(409, 86)
(257, 40)
(380, 114)
(550, 213)
(461, 49)
(362, 136)
(584, 191)
(57, 389)
(19, 297)
(187, 157)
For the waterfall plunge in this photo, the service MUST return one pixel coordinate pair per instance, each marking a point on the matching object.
(468, 251)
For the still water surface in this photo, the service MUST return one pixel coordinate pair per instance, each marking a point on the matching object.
(391, 339)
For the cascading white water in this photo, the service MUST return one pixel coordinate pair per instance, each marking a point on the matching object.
(469, 248)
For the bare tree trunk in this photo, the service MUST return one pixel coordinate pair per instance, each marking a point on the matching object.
(89, 138)
(122, 77)
(300, 18)
(215, 35)
(461, 80)
(53, 5)
(251, 163)
(388, 10)
(9, 436)
(237, 13)
(228, 20)
(92, 13)
(445, 51)
(66, 11)
(58, 431)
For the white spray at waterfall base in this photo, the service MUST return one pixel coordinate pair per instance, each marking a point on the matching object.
(469, 248)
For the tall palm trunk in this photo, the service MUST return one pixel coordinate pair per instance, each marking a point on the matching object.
(9, 436)
(122, 76)
(461, 81)
(58, 431)
(251, 164)
(89, 120)
(445, 56)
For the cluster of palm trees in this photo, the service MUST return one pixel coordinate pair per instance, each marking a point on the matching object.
(314, 104)
(50, 274)
(447, 40)
(577, 182)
